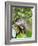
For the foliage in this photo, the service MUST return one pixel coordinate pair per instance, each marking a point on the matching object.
(26, 14)
(21, 35)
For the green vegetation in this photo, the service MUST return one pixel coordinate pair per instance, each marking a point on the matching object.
(21, 35)
(26, 15)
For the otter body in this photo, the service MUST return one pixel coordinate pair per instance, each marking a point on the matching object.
(21, 27)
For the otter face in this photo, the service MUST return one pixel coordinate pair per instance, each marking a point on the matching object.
(20, 23)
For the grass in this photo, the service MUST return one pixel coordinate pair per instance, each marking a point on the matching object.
(21, 35)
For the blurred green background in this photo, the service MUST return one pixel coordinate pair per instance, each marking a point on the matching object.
(26, 14)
